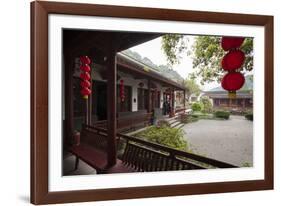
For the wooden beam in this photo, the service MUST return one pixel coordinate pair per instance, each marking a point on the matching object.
(111, 104)
(132, 39)
(84, 42)
(125, 66)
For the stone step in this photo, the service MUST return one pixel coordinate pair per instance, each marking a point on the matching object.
(178, 126)
(172, 121)
(175, 123)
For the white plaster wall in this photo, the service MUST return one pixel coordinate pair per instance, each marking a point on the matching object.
(134, 84)
(128, 81)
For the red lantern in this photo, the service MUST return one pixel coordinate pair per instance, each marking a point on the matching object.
(233, 60)
(85, 60)
(228, 43)
(85, 92)
(232, 82)
(85, 68)
(85, 76)
(85, 83)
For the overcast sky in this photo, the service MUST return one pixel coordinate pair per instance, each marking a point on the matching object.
(152, 50)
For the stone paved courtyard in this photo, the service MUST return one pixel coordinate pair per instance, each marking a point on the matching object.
(230, 140)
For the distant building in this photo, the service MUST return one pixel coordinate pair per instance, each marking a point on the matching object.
(195, 97)
(242, 102)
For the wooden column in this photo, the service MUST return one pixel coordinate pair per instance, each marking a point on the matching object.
(68, 94)
(149, 109)
(244, 103)
(90, 102)
(111, 105)
(173, 102)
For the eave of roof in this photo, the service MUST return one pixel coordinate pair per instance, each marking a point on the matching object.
(145, 70)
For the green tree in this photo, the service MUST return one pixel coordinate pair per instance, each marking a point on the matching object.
(196, 107)
(173, 45)
(206, 53)
(207, 105)
(192, 87)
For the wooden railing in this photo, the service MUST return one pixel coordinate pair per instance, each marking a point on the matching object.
(179, 110)
(143, 155)
(127, 123)
(179, 159)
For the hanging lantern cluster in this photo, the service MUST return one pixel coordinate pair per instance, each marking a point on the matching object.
(232, 62)
(85, 76)
(122, 90)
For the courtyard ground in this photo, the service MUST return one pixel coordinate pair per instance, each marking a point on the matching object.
(230, 140)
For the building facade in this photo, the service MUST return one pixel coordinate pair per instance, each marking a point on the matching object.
(146, 92)
(242, 102)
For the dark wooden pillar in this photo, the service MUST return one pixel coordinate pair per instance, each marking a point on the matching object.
(90, 100)
(149, 109)
(173, 102)
(244, 103)
(111, 105)
(68, 94)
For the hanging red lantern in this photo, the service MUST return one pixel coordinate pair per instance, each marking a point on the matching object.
(228, 43)
(85, 92)
(85, 68)
(233, 60)
(232, 82)
(122, 93)
(85, 60)
(85, 76)
(85, 83)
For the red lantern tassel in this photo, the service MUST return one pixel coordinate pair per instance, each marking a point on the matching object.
(232, 94)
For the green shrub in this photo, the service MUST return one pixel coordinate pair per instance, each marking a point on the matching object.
(222, 114)
(246, 164)
(171, 137)
(196, 106)
(207, 106)
(249, 116)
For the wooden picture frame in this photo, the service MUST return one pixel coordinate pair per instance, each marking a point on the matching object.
(40, 193)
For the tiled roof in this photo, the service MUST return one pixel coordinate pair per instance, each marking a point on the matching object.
(248, 86)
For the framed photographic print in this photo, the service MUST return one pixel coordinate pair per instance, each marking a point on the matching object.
(133, 102)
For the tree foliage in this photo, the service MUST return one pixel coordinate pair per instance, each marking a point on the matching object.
(196, 106)
(192, 87)
(207, 105)
(206, 53)
(173, 45)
